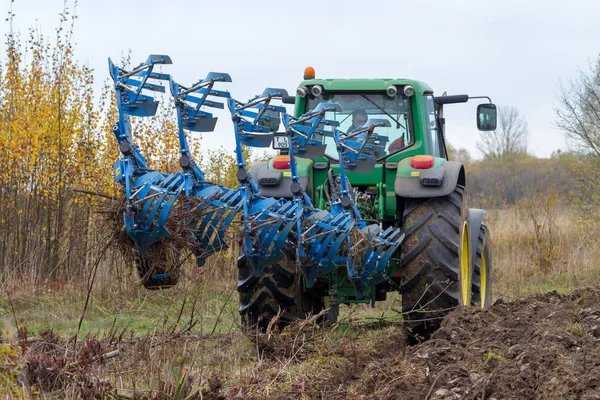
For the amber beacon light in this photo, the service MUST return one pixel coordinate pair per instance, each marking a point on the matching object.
(309, 73)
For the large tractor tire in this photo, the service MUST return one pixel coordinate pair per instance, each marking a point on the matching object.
(482, 271)
(436, 261)
(152, 268)
(279, 287)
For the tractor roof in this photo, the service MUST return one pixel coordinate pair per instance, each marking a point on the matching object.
(366, 84)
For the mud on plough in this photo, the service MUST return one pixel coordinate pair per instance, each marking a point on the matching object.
(321, 240)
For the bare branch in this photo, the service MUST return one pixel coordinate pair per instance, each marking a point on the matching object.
(578, 110)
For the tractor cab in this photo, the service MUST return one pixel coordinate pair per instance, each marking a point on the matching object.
(406, 151)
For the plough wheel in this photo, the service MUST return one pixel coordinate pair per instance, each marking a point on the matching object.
(436, 266)
(153, 271)
(279, 287)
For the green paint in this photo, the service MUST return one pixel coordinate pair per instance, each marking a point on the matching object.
(390, 203)
(319, 178)
(342, 289)
(320, 197)
(371, 179)
(380, 200)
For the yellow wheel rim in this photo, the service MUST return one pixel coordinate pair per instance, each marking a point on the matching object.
(465, 266)
(483, 282)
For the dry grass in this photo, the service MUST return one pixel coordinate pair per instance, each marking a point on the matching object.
(575, 254)
(187, 340)
(189, 331)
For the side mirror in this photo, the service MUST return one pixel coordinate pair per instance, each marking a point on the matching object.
(486, 117)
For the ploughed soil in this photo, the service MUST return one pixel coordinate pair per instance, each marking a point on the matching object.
(544, 346)
(540, 347)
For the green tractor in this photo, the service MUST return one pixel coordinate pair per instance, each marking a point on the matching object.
(445, 258)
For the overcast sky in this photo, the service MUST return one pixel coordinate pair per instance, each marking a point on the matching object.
(513, 51)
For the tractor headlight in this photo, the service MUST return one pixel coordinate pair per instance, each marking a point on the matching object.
(391, 91)
(302, 91)
(316, 90)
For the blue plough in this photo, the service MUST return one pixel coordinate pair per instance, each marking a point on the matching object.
(322, 240)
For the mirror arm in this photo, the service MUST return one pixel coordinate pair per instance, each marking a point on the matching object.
(481, 97)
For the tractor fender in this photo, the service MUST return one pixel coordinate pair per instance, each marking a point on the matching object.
(273, 183)
(475, 221)
(451, 173)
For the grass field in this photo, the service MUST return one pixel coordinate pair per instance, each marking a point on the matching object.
(566, 258)
(192, 330)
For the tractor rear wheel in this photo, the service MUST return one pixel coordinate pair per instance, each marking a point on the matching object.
(279, 287)
(436, 261)
(482, 271)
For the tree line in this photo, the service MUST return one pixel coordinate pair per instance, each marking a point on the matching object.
(507, 173)
(57, 146)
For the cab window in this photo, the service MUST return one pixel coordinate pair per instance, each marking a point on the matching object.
(433, 134)
(358, 107)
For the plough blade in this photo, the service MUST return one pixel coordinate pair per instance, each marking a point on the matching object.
(155, 75)
(274, 92)
(362, 165)
(130, 84)
(144, 106)
(217, 77)
(200, 124)
(257, 140)
(309, 148)
(209, 234)
(149, 206)
(158, 59)
(207, 103)
(148, 86)
(381, 249)
(270, 222)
